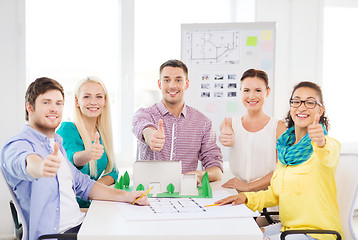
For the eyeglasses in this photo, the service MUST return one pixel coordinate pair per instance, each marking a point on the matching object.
(308, 103)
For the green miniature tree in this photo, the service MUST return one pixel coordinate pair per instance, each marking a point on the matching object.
(116, 185)
(126, 179)
(170, 188)
(140, 187)
(120, 183)
(207, 191)
(205, 178)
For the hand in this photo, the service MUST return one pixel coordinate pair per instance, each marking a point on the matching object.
(97, 148)
(237, 184)
(142, 201)
(52, 163)
(158, 138)
(234, 200)
(227, 134)
(315, 132)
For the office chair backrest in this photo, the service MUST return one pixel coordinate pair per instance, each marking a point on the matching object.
(347, 190)
(6, 226)
(18, 210)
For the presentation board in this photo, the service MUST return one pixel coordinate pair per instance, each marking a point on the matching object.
(217, 55)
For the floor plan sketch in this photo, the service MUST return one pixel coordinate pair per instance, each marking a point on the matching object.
(174, 205)
(212, 47)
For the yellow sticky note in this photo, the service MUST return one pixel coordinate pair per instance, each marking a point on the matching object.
(231, 107)
(251, 41)
(266, 35)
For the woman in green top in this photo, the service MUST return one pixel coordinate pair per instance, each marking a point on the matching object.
(88, 140)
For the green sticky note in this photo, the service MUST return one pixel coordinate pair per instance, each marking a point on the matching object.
(251, 41)
(231, 107)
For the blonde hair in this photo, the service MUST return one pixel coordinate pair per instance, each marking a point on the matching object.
(103, 124)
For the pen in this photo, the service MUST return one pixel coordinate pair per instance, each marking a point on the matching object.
(142, 195)
(212, 205)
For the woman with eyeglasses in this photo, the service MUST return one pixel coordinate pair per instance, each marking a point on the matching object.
(303, 183)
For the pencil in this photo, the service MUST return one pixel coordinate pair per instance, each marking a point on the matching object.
(212, 205)
(146, 192)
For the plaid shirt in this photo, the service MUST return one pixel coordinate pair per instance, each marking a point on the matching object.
(189, 138)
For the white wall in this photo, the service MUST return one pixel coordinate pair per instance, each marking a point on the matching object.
(298, 44)
(12, 78)
(12, 67)
(127, 75)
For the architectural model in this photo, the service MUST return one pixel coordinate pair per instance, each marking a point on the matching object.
(166, 180)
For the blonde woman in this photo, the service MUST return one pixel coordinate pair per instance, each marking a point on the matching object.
(88, 140)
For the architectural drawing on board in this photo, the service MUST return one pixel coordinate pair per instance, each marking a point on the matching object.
(212, 47)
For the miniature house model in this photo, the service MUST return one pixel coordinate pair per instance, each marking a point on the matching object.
(159, 174)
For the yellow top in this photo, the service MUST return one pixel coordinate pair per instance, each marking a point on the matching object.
(306, 192)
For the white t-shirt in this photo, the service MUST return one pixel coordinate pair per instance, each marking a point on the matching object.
(70, 213)
(253, 154)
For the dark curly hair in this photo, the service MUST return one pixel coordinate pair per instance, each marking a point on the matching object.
(323, 119)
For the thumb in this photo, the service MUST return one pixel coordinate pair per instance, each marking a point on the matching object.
(96, 138)
(55, 149)
(316, 119)
(226, 123)
(160, 126)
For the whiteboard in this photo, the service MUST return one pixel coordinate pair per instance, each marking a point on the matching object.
(216, 55)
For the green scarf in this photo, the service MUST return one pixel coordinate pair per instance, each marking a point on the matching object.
(290, 154)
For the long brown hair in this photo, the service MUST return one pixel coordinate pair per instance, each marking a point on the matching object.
(256, 73)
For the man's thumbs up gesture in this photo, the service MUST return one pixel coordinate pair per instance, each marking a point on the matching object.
(157, 139)
(315, 132)
(97, 148)
(52, 163)
(227, 133)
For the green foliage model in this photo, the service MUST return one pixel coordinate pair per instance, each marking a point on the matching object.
(140, 187)
(170, 188)
(126, 179)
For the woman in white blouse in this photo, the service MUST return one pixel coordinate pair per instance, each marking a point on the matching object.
(252, 136)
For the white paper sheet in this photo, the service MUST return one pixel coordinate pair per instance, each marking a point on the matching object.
(184, 208)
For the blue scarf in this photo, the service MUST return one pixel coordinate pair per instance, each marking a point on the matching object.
(290, 154)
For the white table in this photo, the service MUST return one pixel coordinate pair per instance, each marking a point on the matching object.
(104, 221)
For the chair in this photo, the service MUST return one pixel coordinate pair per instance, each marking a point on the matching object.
(347, 192)
(6, 226)
(21, 229)
(268, 214)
